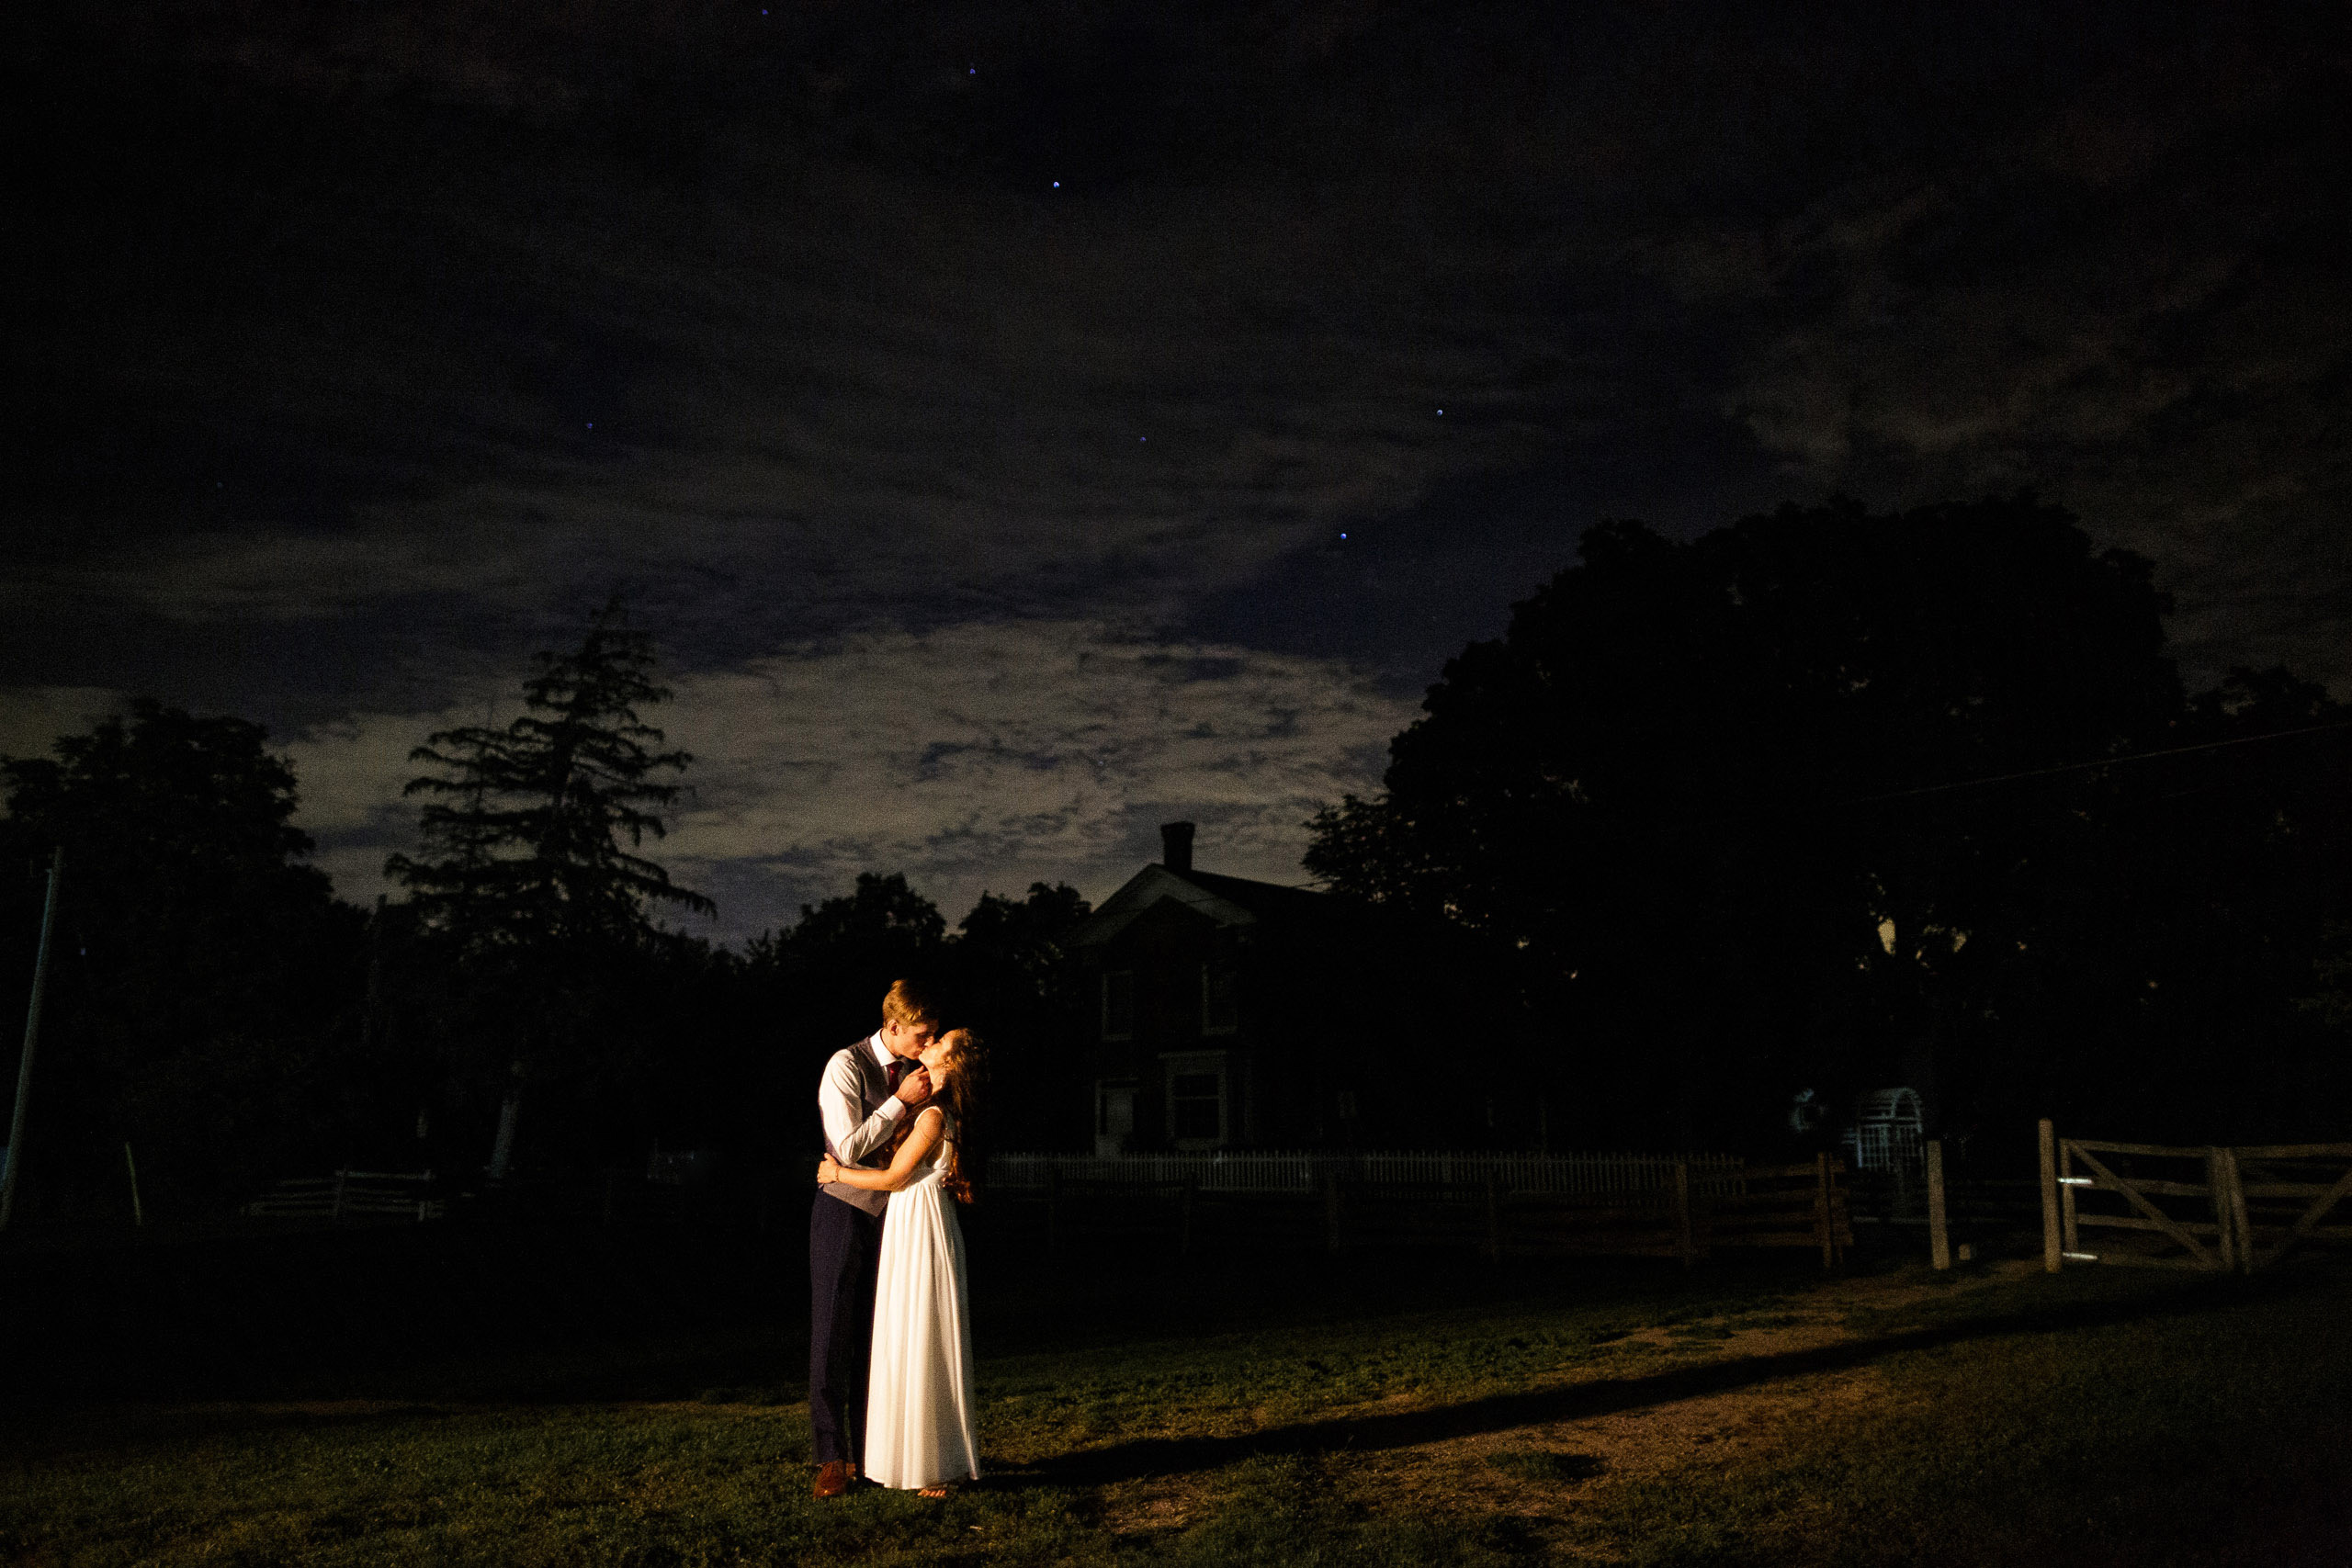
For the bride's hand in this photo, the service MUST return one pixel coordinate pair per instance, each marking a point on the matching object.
(828, 1171)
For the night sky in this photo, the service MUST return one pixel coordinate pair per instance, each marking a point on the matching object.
(1025, 424)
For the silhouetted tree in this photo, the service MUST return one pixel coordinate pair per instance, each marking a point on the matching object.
(536, 918)
(205, 982)
(828, 971)
(529, 819)
(2231, 865)
(1700, 788)
(1022, 943)
(1005, 971)
(1017, 980)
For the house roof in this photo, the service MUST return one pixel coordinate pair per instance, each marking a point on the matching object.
(1227, 901)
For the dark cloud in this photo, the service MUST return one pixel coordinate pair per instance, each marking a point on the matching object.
(372, 343)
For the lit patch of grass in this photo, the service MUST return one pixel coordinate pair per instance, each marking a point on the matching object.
(1544, 1465)
(2206, 1428)
(1282, 1513)
(2094, 1418)
(1238, 1380)
(590, 1485)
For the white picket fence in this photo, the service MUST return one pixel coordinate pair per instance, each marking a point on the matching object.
(1306, 1172)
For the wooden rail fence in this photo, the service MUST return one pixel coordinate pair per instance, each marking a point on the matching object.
(351, 1194)
(1690, 1214)
(1300, 1173)
(2216, 1209)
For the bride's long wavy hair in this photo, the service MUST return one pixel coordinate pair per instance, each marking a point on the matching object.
(969, 1064)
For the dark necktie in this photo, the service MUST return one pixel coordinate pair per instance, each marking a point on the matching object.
(893, 1073)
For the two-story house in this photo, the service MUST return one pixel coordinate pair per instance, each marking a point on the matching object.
(1235, 1013)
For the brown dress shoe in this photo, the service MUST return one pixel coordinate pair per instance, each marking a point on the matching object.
(833, 1477)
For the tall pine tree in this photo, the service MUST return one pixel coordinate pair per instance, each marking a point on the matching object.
(533, 886)
(524, 830)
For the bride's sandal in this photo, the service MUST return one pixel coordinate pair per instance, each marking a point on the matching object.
(935, 1492)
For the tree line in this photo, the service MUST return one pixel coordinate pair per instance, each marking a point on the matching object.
(1821, 801)
(1836, 800)
(213, 1003)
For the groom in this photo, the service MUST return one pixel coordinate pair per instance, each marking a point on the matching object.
(866, 1087)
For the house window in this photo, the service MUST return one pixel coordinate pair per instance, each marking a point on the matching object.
(1220, 999)
(1204, 1097)
(1347, 1098)
(1114, 1112)
(1197, 1105)
(1119, 1004)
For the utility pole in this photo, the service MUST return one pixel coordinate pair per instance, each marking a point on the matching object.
(16, 1158)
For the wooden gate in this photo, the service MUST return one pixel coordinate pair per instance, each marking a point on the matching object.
(2214, 1209)
(2284, 1193)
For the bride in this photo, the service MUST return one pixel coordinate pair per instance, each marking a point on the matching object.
(919, 1399)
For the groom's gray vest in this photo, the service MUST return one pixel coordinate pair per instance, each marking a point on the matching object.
(874, 1088)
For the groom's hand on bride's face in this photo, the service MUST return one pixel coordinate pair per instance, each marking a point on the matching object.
(915, 1088)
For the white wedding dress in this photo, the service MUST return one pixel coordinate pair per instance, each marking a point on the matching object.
(918, 1428)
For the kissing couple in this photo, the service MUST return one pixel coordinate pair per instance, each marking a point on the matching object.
(890, 1325)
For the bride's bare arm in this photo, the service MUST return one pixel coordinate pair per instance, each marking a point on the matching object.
(902, 1165)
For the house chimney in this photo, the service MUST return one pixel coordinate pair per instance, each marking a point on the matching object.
(1176, 846)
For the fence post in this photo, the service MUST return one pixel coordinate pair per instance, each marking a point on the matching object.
(1331, 1210)
(1938, 1237)
(2230, 1226)
(2050, 1246)
(1053, 1208)
(1683, 1242)
(137, 1209)
(339, 1178)
(1821, 1216)
(2239, 1225)
(1494, 1218)
(2070, 1233)
(1184, 1204)
(2216, 1189)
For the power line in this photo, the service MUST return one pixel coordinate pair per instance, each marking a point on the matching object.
(2101, 762)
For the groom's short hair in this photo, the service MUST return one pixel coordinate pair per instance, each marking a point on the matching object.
(910, 1002)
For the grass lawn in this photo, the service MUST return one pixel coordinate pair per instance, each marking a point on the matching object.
(1410, 1408)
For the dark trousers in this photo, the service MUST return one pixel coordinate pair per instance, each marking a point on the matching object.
(844, 1250)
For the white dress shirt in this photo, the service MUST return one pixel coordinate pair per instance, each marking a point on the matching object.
(852, 1132)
